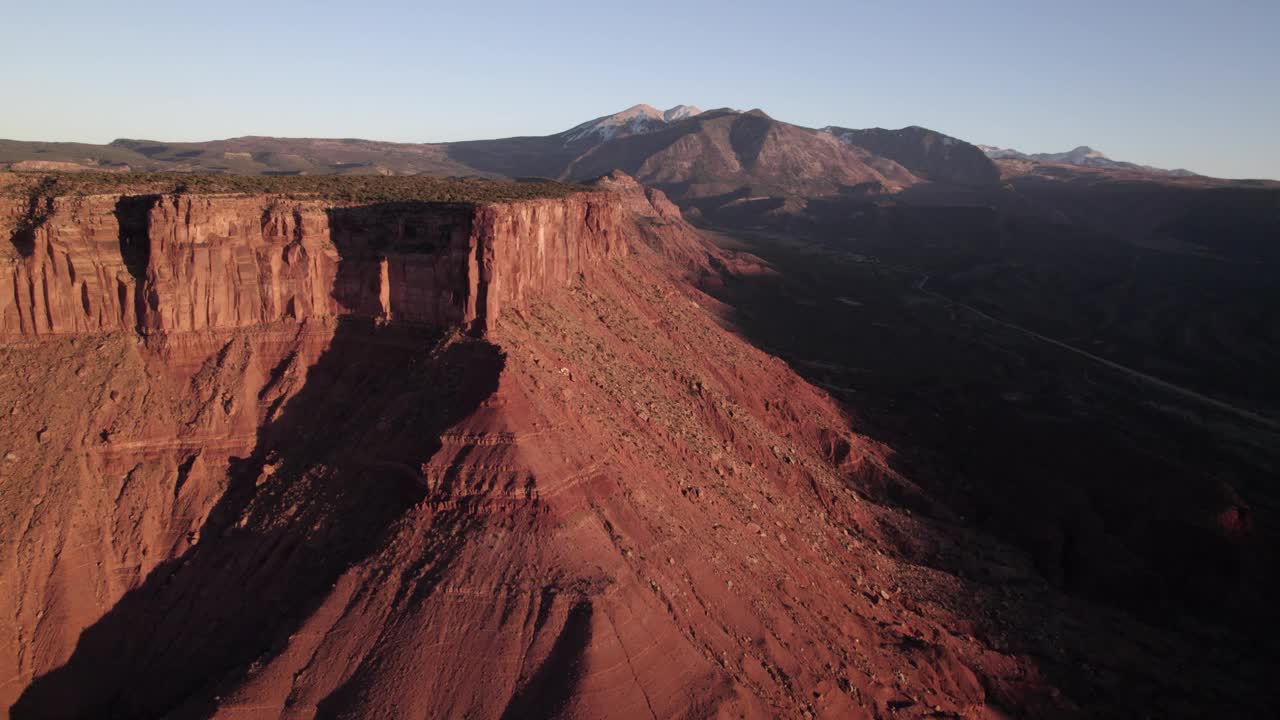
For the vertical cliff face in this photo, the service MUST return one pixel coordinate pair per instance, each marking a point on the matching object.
(64, 270)
(524, 249)
(162, 264)
(220, 263)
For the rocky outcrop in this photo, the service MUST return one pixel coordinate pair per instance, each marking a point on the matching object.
(181, 263)
(524, 249)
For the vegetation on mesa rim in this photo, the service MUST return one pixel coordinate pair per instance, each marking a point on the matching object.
(338, 188)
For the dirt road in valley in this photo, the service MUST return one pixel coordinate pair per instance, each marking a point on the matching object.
(1137, 374)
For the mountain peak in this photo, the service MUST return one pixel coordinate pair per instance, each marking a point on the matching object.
(640, 110)
(1085, 152)
(680, 112)
(634, 120)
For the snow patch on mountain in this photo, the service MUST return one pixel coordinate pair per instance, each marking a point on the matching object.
(999, 153)
(635, 120)
(680, 112)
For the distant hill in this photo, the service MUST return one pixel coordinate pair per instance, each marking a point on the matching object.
(1083, 156)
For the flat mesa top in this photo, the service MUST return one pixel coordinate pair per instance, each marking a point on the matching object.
(337, 188)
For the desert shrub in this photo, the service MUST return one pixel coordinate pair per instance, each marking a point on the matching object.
(337, 188)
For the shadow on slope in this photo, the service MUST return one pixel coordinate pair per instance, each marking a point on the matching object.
(332, 471)
(997, 424)
(1116, 492)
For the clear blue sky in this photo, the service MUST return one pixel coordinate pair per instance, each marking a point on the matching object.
(1175, 83)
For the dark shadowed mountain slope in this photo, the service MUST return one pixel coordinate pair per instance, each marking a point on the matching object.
(926, 153)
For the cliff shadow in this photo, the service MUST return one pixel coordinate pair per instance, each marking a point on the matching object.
(1101, 501)
(38, 211)
(331, 473)
(133, 217)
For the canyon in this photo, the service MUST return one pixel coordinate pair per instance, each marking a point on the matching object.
(278, 454)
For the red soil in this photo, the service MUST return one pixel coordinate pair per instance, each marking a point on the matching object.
(600, 502)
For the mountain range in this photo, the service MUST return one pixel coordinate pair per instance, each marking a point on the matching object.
(1083, 156)
(730, 148)
(723, 165)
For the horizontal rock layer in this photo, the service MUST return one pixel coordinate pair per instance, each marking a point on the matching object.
(179, 263)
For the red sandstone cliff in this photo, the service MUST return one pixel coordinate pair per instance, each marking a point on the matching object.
(177, 263)
(258, 473)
